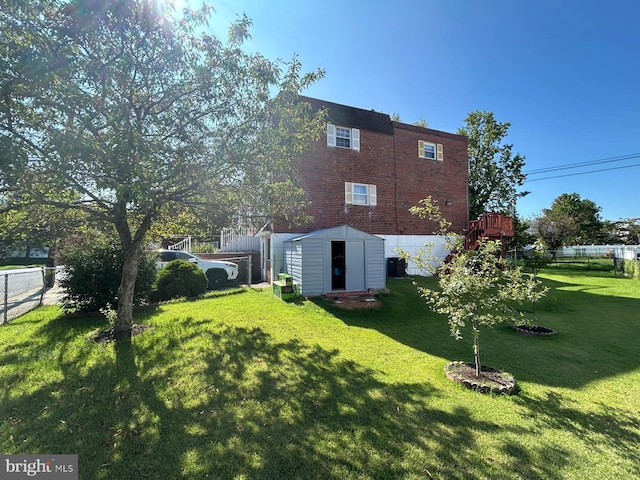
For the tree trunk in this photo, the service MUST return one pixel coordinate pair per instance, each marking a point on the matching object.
(476, 351)
(126, 290)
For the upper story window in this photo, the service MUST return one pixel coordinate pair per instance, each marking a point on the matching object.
(429, 150)
(360, 194)
(343, 137)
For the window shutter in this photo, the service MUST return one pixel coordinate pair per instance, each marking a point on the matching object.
(440, 154)
(373, 197)
(348, 193)
(331, 135)
(355, 139)
(420, 149)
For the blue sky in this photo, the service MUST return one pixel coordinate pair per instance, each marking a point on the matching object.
(564, 73)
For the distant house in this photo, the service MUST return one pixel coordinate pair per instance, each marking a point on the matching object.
(365, 173)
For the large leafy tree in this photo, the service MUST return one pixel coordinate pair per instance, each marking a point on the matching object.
(584, 213)
(495, 172)
(554, 231)
(625, 230)
(130, 110)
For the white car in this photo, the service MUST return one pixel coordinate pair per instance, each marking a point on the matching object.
(217, 271)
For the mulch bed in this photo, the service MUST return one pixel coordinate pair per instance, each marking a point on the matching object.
(490, 380)
(110, 335)
(535, 330)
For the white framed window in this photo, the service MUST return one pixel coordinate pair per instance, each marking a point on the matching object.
(429, 150)
(360, 194)
(432, 151)
(343, 137)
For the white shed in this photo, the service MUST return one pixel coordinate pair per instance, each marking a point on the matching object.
(334, 260)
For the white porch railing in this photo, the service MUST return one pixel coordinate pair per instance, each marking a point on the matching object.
(184, 245)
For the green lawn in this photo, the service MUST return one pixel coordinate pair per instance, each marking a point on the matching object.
(245, 386)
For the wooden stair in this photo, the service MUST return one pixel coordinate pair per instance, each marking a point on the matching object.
(490, 226)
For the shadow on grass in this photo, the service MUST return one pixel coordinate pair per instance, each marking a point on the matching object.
(226, 402)
(597, 339)
(597, 334)
(602, 427)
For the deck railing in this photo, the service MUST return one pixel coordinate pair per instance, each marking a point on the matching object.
(489, 225)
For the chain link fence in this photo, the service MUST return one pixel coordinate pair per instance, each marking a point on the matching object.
(218, 279)
(22, 290)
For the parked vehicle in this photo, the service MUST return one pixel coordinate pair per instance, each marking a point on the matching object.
(218, 272)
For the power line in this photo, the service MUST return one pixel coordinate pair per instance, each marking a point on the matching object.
(582, 173)
(584, 164)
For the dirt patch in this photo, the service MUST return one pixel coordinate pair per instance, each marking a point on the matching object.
(356, 303)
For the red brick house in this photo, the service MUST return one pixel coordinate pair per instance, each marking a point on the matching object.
(366, 172)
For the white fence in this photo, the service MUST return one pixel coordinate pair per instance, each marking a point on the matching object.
(239, 240)
(628, 252)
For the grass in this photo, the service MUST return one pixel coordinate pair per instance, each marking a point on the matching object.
(245, 386)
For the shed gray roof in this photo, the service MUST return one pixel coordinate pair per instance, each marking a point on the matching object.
(343, 231)
(345, 116)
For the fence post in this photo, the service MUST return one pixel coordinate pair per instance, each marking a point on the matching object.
(6, 297)
(43, 286)
(249, 272)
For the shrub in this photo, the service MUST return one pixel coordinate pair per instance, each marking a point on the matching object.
(180, 279)
(92, 275)
(632, 268)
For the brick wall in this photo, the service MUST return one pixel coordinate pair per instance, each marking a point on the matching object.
(391, 163)
(446, 181)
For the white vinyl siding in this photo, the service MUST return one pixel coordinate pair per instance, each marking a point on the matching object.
(343, 137)
(308, 259)
(432, 151)
(360, 194)
(375, 265)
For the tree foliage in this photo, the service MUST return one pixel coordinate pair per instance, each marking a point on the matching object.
(395, 117)
(585, 215)
(495, 173)
(522, 234)
(476, 288)
(39, 225)
(625, 230)
(555, 231)
(117, 110)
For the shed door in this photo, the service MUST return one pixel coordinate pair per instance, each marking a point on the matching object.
(338, 264)
(355, 265)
